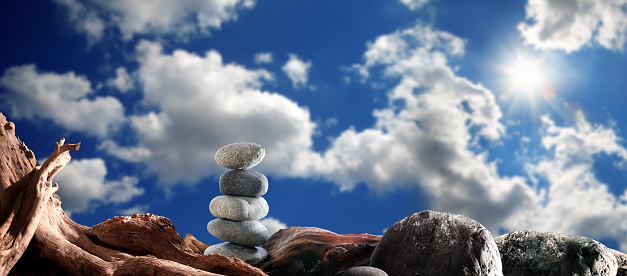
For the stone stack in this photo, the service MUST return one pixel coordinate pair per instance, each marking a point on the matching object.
(241, 206)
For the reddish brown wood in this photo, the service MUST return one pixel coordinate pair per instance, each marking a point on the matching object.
(315, 251)
(31, 217)
(195, 245)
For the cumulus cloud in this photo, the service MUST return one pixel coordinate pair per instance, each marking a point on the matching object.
(159, 17)
(83, 20)
(263, 58)
(428, 134)
(391, 51)
(297, 70)
(65, 99)
(123, 81)
(137, 209)
(428, 137)
(569, 25)
(215, 104)
(273, 225)
(414, 4)
(576, 201)
(83, 186)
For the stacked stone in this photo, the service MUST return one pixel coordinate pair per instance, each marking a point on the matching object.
(241, 206)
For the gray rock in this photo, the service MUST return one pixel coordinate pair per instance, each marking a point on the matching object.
(551, 254)
(621, 258)
(243, 155)
(434, 243)
(251, 255)
(243, 183)
(364, 271)
(239, 208)
(247, 233)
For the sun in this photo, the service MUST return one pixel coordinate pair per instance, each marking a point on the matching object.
(526, 75)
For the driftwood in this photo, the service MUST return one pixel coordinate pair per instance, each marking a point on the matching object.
(315, 251)
(38, 238)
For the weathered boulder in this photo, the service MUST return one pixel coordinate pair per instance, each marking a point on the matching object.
(553, 254)
(315, 251)
(434, 243)
(621, 258)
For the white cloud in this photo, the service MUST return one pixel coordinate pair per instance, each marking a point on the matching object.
(423, 138)
(393, 51)
(329, 122)
(215, 104)
(273, 225)
(569, 25)
(414, 4)
(428, 135)
(64, 99)
(263, 58)
(576, 201)
(123, 81)
(83, 186)
(83, 20)
(137, 209)
(297, 70)
(157, 17)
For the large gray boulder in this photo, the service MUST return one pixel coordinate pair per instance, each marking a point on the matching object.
(434, 243)
(621, 258)
(552, 254)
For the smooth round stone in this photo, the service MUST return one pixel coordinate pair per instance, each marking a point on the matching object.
(364, 271)
(250, 255)
(239, 208)
(247, 233)
(243, 183)
(243, 155)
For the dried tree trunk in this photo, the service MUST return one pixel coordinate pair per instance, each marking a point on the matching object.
(23, 202)
(31, 217)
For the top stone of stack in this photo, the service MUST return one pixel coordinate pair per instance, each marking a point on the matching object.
(243, 155)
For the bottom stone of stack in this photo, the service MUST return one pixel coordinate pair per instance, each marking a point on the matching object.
(251, 255)
(247, 233)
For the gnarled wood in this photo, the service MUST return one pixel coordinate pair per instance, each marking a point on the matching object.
(31, 217)
(315, 251)
(27, 196)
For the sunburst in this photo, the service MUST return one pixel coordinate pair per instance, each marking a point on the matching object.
(526, 75)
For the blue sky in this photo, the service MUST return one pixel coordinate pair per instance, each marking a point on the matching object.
(509, 112)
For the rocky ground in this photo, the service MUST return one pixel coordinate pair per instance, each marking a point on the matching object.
(425, 243)
(434, 243)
